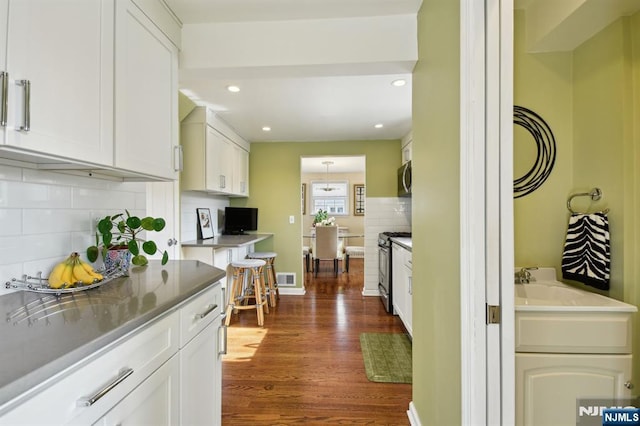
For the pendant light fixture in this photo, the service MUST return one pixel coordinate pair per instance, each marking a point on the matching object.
(327, 187)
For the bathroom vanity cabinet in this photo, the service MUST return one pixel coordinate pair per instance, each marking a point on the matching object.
(549, 385)
(570, 345)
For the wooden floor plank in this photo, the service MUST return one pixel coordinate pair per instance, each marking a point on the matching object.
(305, 365)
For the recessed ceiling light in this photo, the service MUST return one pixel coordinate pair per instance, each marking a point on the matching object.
(379, 126)
(399, 83)
(266, 129)
(233, 89)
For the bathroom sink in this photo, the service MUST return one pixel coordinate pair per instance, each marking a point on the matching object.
(554, 317)
(557, 296)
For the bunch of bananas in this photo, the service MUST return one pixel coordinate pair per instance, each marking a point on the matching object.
(72, 271)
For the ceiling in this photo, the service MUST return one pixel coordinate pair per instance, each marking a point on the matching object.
(311, 70)
(339, 164)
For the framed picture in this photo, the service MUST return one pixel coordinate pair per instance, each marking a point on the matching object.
(358, 199)
(204, 224)
(303, 198)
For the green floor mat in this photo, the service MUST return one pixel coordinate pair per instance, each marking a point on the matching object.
(387, 357)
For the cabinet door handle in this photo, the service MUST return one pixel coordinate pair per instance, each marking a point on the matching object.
(223, 341)
(207, 311)
(178, 160)
(4, 103)
(88, 401)
(26, 119)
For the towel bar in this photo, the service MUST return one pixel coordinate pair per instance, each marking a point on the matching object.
(595, 194)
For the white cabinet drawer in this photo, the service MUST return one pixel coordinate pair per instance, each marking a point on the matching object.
(199, 312)
(142, 350)
(571, 332)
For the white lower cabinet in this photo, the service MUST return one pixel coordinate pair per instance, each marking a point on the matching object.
(402, 285)
(201, 378)
(548, 386)
(202, 334)
(155, 402)
(167, 372)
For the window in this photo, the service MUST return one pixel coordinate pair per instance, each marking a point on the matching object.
(332, 196)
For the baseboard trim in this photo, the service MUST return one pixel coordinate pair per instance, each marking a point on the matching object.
(366, 292)
(413, 415)
(295, 291)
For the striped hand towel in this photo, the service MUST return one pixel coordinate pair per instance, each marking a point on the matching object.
(587, 252)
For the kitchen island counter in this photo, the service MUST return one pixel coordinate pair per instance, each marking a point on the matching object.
(44, 335)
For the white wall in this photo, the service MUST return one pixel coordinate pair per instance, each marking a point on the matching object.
(44, 216)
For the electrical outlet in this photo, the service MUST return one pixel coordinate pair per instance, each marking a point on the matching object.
(292, 219)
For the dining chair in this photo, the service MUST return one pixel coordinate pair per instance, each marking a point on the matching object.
(326, 247)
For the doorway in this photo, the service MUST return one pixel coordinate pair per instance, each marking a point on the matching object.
(334, 184)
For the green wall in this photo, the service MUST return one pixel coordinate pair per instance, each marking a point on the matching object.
(590, 97)
(606, 146)
(601, 112)
(436, 219)
(542, 83)
(274, 188)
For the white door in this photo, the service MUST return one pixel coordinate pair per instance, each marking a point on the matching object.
(549, 385)
(155, 402)
(163, 200)
(219, 159)
(200, 379)
(64, 50)
(146, 91)
(487, 350)
(4, 27)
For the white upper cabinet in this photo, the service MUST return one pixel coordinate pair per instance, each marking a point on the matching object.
(240, 171)
(146, 95)
(407, 148)
(218, 171)
(216, 159)
(59, 60)
(91, 86)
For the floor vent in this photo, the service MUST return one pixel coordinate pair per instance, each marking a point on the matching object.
(286, 279)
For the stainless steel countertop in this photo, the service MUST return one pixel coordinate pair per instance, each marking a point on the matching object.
(227, 241)
(403, 241)
(43, 334)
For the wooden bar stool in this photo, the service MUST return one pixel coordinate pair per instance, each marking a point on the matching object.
(251, 287)
(270, 274)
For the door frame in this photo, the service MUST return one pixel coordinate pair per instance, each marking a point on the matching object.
(486, 211)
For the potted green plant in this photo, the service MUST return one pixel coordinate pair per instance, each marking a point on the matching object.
(122, 232)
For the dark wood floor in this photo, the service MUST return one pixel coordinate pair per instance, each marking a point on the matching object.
(305, 365)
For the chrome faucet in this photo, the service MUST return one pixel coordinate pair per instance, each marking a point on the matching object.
(523, 276)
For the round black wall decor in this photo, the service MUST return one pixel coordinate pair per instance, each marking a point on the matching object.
(546, 157)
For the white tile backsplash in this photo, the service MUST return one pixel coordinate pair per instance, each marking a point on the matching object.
(44, 216)
(192, 200)
(383, 214)
(10, 222)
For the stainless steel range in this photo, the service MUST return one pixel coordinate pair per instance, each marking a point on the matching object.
(385, 283)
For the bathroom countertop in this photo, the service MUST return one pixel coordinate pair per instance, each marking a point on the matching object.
(45, 334)
(227, 241)
(402, 241)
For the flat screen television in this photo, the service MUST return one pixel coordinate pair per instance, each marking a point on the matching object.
(237, 220)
